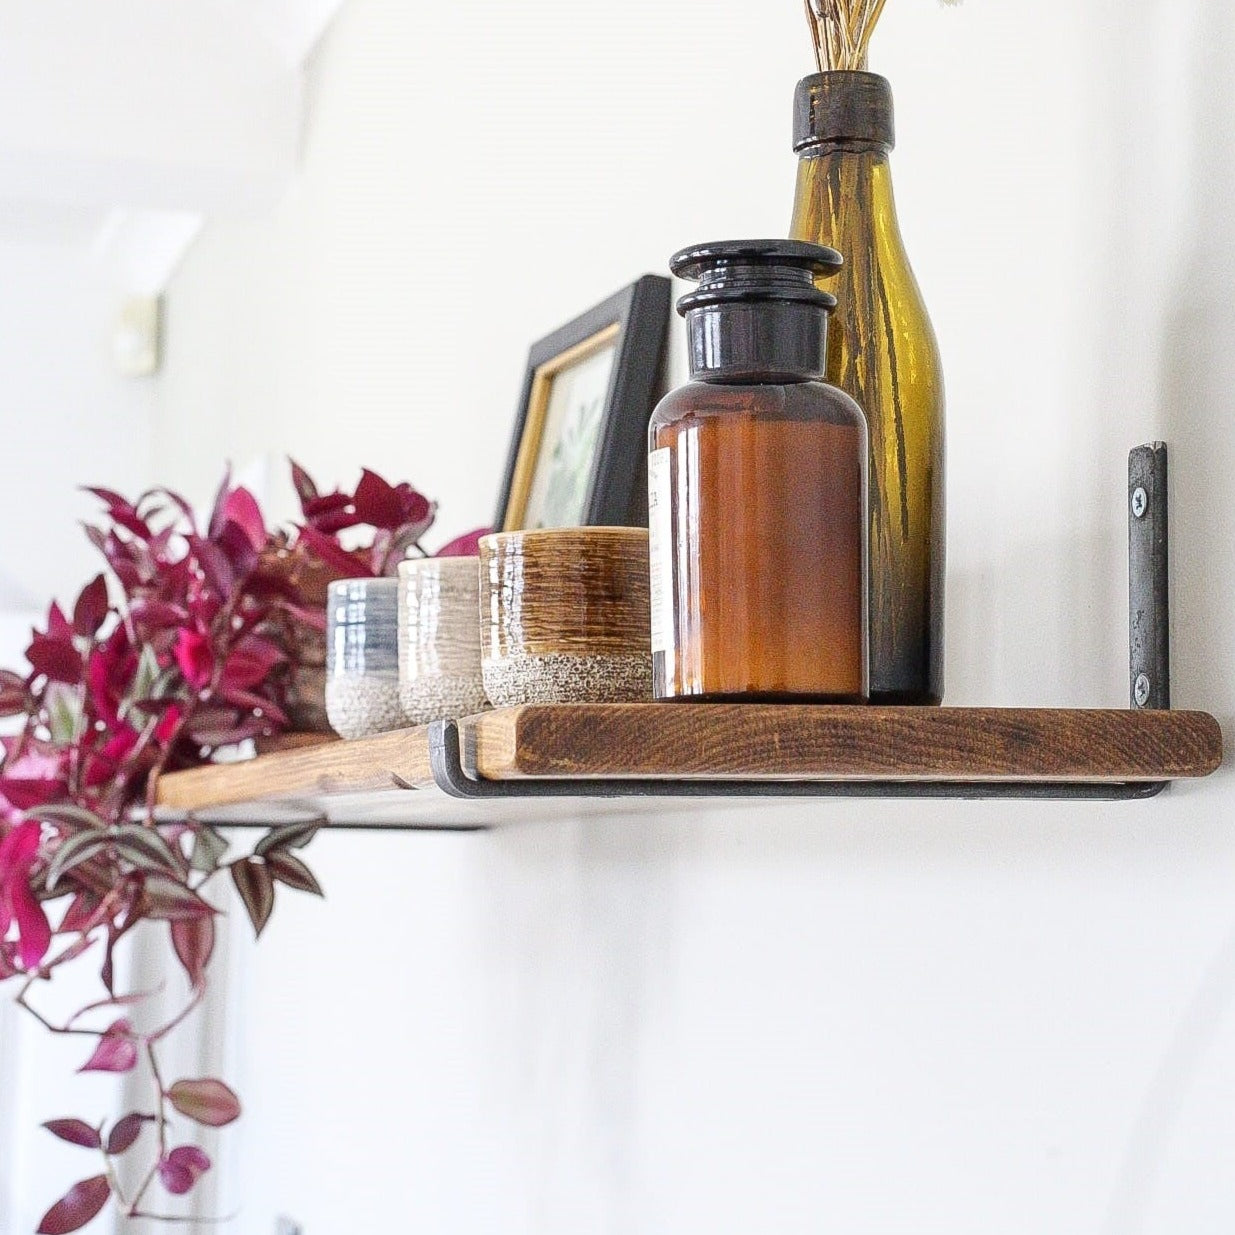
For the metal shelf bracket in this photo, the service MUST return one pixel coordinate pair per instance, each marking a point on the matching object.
(1149, 686)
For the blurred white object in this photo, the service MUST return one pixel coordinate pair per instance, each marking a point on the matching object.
(137, 337)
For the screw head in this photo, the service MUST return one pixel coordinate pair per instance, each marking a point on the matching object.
(1140, 502)
(1140, 690)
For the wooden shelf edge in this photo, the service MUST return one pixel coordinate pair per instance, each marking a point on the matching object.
(776, 742)
(739, 742)
(388, 761)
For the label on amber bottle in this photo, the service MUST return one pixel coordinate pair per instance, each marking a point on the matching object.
(660, 548)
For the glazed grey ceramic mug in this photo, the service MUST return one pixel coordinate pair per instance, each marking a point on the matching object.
(362, 657)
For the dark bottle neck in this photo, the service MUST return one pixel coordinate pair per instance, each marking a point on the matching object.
(760, 342)
(843, 110)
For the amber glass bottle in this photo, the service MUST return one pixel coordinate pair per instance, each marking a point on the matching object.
(882, 351)
(757, 482)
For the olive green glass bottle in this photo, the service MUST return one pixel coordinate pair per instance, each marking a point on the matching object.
(882, 352)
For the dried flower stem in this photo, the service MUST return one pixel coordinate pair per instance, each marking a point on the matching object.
(841, 31)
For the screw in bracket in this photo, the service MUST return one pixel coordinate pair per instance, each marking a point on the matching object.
(1140, 690)
(1140, 502)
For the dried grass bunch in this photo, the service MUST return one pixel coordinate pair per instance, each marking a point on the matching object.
(842, 30)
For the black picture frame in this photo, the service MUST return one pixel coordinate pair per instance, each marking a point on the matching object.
(638, 318)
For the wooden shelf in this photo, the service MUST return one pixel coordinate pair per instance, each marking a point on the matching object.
(539, 761)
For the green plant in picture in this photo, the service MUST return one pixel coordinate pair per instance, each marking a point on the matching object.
(570, 465)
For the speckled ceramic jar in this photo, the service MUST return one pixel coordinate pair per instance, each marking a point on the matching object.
(362, 657)
(565, 616)
(439, 639)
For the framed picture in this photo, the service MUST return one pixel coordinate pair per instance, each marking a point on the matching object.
(579, 453)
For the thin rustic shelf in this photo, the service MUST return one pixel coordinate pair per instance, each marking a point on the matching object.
(542, 761)
(507, 764)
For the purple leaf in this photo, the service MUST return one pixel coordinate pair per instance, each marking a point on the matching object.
(289, 836)
(14, 694)
(225, 727)
(170, 900)
(467, 545)
(27, 792)
(313, 618)
(91, 608)
(19, 853)
(216, 511)
(129, 519)
(377, 502)
(208, 848)
(182, 1168)
(193, 940)
(75, 1131)
(349, 565)
(176, 500)
(79, 913)
(272, 714)
(306, 490)
(288, 869)
(81, 1204)
(73, 853)
(241, 509)
(418, 511)
(250, 662)
(159, 614)
(72, 816)
(126, 1131)
(116, 1051)
(207, 1100)
(109, 497)
(214, 563)
(107, 971)
(194, 657)
(235, 545)
(331, 513)
(146, 849)
(57, 658)
(256, 887)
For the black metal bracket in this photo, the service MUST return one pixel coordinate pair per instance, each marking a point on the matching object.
(1149, 601)
(1149, 665)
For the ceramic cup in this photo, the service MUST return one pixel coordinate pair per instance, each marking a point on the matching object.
(564, 616)
(439, 639)
(362, 657)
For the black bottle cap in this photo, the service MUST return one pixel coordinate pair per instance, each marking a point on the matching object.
(757, 315)
(763, 271)
(843, 105)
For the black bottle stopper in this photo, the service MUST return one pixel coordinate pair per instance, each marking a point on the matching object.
(757, 315)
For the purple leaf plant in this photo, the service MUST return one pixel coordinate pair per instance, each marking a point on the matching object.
(189, 640)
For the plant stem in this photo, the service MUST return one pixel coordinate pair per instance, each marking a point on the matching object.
(159, 1034)
(161, 1125)
(114, 1180)
(182, 1218)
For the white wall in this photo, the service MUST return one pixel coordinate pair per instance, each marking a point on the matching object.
(847, 1016)
(67, 418)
